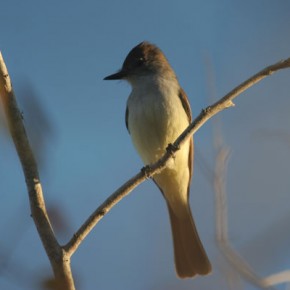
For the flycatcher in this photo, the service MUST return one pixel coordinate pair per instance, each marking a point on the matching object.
(157, 112)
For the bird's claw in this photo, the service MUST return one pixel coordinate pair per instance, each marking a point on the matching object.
(146, 170)
(171, 149)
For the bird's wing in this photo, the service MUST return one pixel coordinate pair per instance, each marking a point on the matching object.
(185, 103)
(126, 118)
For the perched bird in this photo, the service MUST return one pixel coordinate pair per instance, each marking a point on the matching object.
(157, 112)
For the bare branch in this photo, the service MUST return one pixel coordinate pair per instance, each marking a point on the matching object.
(202, 118)
(104, 208)
(59, 261)
(231, 255)
(227, 100)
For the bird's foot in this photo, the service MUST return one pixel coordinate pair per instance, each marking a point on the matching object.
(147, 171)
(171, 149)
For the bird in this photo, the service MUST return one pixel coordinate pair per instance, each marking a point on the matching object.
(157, 112)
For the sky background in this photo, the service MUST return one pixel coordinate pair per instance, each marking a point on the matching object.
(57, 54)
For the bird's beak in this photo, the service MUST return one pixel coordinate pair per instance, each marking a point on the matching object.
(117, 76)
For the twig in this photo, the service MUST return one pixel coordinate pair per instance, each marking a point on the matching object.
(202, 118)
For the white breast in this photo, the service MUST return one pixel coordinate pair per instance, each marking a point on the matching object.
(156, 117)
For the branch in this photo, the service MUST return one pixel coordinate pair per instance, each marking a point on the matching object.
(231, 255)
(202, 118)
(60, 256)
(57, 257)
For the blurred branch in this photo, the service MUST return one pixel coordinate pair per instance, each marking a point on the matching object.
(277, 278)
(38, 124)
(149, 171)
(59, 260)
(231, 255)
(235, 260)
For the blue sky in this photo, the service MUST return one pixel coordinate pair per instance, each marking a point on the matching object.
(57, 54)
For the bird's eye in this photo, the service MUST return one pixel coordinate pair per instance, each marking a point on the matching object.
(140, 61)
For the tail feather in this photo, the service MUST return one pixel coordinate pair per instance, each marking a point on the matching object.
(189, 254)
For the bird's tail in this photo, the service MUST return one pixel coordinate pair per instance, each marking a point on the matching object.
(189, 254)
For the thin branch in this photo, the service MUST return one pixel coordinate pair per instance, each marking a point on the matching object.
(103, 209)
(37, 205)
(226, 101)
(202, 118)
(231, 255)
(18, 133)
